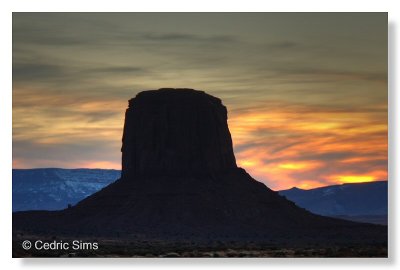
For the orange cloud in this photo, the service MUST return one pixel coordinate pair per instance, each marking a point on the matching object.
(299, 165)
(101, 164)
(355, 178)
(48, 163)
(309, 147)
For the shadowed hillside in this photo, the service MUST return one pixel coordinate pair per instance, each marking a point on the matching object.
(365, 202)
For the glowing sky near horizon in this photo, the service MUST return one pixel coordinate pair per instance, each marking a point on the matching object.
(306, 92)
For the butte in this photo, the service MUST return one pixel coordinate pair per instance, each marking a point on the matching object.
(180, 181)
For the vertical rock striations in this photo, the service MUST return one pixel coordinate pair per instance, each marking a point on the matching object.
(176, 132)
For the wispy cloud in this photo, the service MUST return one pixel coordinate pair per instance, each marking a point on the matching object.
(182, 37)
(306, 106)
(283, 45)
(296, 145)
(37, 71)
(117, 69)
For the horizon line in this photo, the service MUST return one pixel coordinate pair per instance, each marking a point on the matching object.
(339, 184)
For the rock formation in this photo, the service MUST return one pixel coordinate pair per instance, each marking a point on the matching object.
(180, 181)
(176, 132)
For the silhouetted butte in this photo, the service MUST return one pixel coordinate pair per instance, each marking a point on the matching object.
(180, 181)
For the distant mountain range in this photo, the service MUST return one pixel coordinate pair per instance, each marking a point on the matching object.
(55, 189)
(364, 202)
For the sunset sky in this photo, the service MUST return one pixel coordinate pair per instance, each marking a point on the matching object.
(306, 93)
